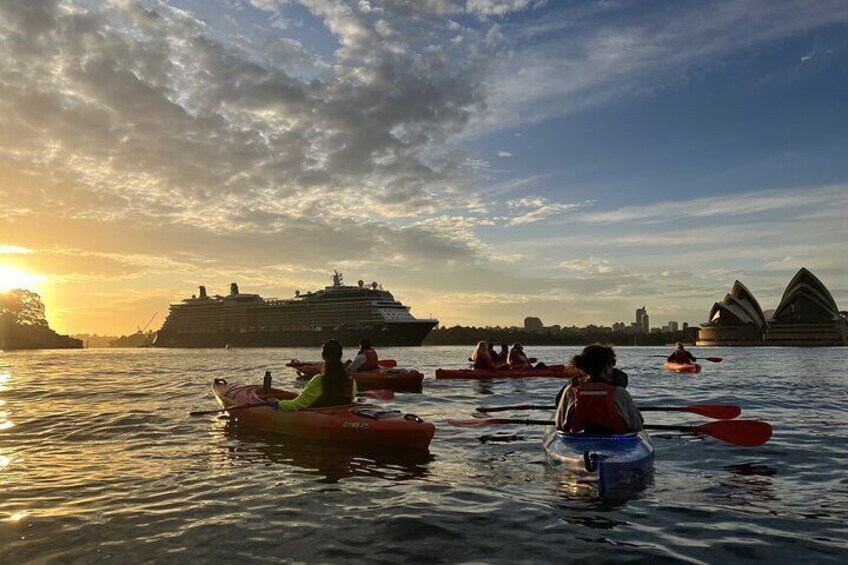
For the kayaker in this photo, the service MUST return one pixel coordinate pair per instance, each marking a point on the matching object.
(497, 361)
(366, 359)
(592, 403)
(517, 359)
(481, 357)
(681, 356)
(333, 387)
(504, 354)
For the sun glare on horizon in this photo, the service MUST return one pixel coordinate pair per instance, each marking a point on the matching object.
(13, 277)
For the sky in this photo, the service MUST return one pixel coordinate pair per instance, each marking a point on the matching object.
(484, 160)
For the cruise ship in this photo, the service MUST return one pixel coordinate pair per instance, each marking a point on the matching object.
(345, 313)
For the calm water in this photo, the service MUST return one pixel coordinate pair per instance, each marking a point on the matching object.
(99, 461)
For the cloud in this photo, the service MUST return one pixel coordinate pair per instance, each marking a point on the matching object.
(761, 203)
(504, 154)
(578, 57)
(535, 209)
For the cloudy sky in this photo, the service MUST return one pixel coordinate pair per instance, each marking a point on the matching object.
(484, 160)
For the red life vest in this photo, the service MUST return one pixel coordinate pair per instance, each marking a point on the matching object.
(484, 362)
(327, 399)
(518, 359)
(370, 361)
(595, 411)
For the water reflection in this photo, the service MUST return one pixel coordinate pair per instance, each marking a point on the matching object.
(332, 462)
(572, 488)
(747, 485)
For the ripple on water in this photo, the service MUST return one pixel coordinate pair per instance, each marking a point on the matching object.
(103, 463)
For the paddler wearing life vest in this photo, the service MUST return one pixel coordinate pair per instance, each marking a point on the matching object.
(366, 359)
(517, 359)
(592, 403)
(333, 387)
(481, 357)
(680, 355)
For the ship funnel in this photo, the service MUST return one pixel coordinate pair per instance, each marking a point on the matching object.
(202, 291)
(233, 288)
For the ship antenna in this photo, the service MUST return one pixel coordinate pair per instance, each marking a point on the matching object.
(337, 278)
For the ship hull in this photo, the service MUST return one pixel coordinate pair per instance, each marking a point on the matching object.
(388, 335)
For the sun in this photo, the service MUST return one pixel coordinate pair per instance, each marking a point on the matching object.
(14, 277)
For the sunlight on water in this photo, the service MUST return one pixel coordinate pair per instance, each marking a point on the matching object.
(107, 456)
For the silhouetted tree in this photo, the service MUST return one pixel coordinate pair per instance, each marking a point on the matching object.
(22, 308)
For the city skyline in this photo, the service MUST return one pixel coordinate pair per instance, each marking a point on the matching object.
(483, 160)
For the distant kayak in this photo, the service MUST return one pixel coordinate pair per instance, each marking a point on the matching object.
(353, 423)
(609, 463)
(394, 378)
(550, 371)
(683, 367)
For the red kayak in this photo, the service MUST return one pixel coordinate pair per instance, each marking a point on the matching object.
(382, 377)
(361, 423)
(682, 367)
(550, 371)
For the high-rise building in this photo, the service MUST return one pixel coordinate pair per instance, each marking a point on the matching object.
(642, 323)
(671, 327)
(533, 324)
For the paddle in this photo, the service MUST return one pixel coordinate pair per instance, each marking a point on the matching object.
(717, 411)
(748, 433)
(380, 394)
(710, 359)
(228, 409)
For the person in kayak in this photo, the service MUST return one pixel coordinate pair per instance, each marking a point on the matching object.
(497, 361)
(366, 359)
(517, 359)
(333, 387)
(681, 356)
(504, 354)
(481, 357)
(592, 403)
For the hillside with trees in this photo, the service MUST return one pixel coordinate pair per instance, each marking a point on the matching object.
(23, 324)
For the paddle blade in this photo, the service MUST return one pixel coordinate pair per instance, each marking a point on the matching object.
(714, 359)
(380, 394)
(388, 363)
(747, 433)
(717, 411)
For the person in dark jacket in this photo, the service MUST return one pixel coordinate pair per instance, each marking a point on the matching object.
(681, 356)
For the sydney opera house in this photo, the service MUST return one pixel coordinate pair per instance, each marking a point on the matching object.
(806, 316)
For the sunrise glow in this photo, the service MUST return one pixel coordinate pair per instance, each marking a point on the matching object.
(13, 277)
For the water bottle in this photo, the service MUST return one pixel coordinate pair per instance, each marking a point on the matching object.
(266, 382)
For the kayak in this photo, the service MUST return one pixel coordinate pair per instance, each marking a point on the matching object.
(364, 424)
(609, 463)
(551, 371)
(682, 367)
(383, 377)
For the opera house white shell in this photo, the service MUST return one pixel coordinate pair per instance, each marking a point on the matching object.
(806, 316)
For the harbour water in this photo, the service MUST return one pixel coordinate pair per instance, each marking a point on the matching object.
(100, 462)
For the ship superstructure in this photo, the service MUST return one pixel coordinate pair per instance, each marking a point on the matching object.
(342, 312)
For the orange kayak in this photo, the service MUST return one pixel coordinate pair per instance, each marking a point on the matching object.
(682, 367)
(364, 424)
(551, 371)
(393, 378)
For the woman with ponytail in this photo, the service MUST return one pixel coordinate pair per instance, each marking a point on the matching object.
(333, 387)
(592, 403)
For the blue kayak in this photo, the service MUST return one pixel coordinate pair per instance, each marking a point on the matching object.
(609, 462)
